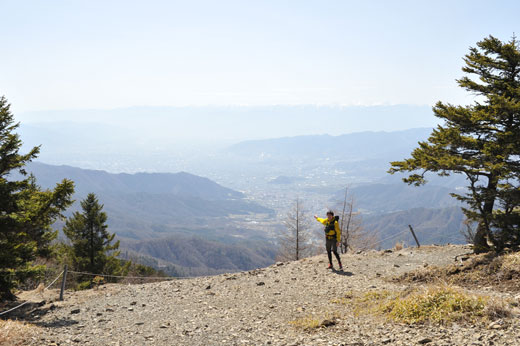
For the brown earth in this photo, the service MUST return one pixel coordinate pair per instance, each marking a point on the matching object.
(292, 303)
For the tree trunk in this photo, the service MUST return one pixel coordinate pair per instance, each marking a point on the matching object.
(480, 244)
(483, 234)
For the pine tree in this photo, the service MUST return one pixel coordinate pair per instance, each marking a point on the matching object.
(26, 211)
(92, 246)
(482, 142)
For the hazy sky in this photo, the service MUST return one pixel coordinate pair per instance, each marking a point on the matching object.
(90, 54)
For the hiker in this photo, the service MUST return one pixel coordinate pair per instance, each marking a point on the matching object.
(333, 235)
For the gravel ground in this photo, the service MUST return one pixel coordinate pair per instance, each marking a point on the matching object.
(256, 308)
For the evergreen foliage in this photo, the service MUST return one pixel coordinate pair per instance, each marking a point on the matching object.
(26, 211)
(92, 247)
(482, 142)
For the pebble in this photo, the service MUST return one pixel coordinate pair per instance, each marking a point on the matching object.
(258, 308)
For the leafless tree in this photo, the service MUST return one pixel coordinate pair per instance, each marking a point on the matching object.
(294, 242)
(470, 230)
(353, 235)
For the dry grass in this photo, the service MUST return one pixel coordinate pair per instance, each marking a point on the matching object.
(439, 305)
(398, 246)
(500, 272)
(312, 322)
(16, 333)
(511, 262)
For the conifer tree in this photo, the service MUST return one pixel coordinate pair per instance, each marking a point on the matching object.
(26, 211)
(92, 246)
(482, 142)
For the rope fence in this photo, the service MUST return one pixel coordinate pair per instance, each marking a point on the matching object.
(164, 278)
(133, 277)
(26, 302)
(391, 237)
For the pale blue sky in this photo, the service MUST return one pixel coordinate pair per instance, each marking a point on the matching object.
(92, 54)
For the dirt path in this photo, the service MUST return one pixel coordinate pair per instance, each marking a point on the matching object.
(257, 307)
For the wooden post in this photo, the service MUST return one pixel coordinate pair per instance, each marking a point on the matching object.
(63, 282)
(414, 237)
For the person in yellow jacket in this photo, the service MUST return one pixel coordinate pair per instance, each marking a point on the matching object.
(333, 236)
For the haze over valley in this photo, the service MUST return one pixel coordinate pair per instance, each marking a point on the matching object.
(233, 197)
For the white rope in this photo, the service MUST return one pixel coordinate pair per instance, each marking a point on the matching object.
(132, 277)
(52, 283)
(145, 277)
(19, 306)
(16, 307)
(393, 236)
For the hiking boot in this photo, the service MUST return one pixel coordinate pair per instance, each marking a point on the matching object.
(330, 266)
(340, 267)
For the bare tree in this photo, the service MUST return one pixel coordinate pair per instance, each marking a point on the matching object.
(353, 235)
(294, 241)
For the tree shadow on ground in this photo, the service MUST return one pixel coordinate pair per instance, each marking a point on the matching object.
(29, 311)
(58, 323)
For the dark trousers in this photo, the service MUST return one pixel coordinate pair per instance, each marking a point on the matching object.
(331, 245)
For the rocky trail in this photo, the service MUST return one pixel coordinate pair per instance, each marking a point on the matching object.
(259, 307)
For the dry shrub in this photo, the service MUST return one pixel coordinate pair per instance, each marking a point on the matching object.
(439, 305)
(511, 262)
(313, 322)
(16, 333)
(501, 272)
(398, 246)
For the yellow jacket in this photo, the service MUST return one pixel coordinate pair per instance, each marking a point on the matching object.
(336, 231)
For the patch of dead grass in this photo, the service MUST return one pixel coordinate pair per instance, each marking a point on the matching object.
(500, 272)
(16, 333)
(435, 304)
(313, 322)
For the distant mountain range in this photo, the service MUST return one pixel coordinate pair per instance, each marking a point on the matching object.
(431, 225)
(177, 184)
(385, 198)
(195, 255)
(178, 219)
(354, 146)
(140, 205)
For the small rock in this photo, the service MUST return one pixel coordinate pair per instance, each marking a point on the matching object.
(424, 341)
(328, 323)
(397, 266)
(261, 283)
(133, 303)
(75, 311)
(109, 310)
(99, 314)
(495, 325)
(386, 341)
(130, 309)
(208, 287)
(279, 264)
